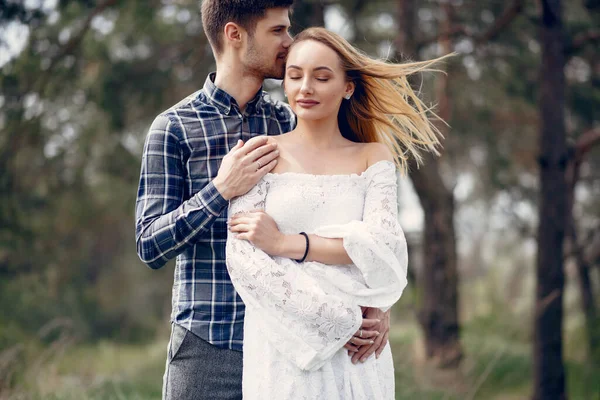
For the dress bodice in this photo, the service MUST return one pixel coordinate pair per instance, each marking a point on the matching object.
(303, 202)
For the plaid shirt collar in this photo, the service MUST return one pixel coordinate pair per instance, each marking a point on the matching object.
(224, 101)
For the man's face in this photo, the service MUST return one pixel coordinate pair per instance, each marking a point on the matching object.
(267, 48)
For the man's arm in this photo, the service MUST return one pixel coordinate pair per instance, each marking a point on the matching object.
(165, 223)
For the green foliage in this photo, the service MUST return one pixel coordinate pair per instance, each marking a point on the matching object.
(70, 149)
(72, 126)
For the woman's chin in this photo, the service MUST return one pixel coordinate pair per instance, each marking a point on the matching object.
(309, 115)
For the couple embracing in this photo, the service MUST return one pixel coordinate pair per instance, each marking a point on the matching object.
(282, 218)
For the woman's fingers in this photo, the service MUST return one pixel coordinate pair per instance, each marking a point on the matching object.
(242, 223)
(240, 228)
(243, 236)
(245, 218)
(240, 219)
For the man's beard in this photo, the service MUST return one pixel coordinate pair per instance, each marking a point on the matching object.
(261, 67)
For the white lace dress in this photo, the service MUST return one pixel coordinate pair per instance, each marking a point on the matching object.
(299, 316)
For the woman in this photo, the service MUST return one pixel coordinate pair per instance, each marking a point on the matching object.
(318, 238)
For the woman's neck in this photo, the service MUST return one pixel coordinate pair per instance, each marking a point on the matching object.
(319, 134)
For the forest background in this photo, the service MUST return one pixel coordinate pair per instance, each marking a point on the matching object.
(504, 227)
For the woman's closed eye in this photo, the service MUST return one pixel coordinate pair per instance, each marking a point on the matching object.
(295, 78)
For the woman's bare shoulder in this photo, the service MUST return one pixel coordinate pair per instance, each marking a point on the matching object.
(279, 139)
(374, 152)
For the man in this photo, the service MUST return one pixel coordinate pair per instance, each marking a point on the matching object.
(200, 153)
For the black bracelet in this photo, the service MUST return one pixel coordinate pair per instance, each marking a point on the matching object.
(307, 247)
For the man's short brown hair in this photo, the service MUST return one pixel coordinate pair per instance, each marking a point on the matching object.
(217, 13)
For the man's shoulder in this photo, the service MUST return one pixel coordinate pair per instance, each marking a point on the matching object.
(192, 105)
(189, 110)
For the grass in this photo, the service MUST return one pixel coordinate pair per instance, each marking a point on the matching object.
(101, 372)
(495, 367)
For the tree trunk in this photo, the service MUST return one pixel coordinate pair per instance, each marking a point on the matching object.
(588, 303)
(439, 313)
(549, 372)
(592, 323)
(318, 14)
(307, 14)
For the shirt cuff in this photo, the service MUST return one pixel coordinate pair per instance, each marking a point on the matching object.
(212, 200)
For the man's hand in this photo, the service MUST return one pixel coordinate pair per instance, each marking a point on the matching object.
(365, 336)
(258, 228)
(383, 327)
(245, 165)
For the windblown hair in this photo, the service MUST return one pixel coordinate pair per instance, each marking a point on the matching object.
(217, 13)
(383, 108)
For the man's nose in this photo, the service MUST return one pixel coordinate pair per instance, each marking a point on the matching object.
(287, 42)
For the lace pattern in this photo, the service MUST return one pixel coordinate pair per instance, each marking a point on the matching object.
(305, 313)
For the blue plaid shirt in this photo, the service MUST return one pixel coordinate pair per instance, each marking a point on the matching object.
(180, 213)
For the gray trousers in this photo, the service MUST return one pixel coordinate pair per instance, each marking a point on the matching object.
(198, 370)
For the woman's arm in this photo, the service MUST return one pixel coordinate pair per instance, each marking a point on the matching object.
(323, 250)
(259, 228)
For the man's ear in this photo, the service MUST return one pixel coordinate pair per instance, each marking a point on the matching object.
(233, 34)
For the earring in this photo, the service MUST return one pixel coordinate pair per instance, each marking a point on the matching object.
(347, 96)
(285, 94)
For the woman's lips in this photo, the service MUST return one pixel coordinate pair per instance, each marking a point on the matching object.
(307, 103)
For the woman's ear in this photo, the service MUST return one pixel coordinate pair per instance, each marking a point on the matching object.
(349, 90)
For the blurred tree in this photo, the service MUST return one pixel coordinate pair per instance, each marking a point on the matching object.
(439, 311)
(77, 101)
(577, 153)
(579, 52)
(439, 314)
(549, 373)
(75, 105)
(308, 13)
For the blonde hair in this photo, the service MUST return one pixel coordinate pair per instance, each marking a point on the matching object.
(383, 108)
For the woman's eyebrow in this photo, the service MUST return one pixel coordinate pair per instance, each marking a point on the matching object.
(315, 69)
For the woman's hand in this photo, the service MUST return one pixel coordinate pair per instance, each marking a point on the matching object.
(363, 352)
(260, 229)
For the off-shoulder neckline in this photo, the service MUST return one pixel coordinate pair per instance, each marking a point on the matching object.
(353, 175)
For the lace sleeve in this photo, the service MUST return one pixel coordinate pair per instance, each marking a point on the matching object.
(305, 324)
(376, 244)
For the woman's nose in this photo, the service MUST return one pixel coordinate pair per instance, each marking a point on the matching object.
(306, 86)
